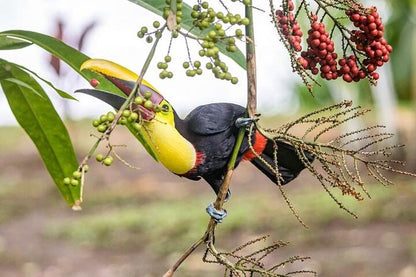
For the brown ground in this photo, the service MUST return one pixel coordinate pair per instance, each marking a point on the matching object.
(39, 235)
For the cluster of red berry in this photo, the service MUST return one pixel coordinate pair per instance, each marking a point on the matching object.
(369, 39)
(320, 51)
(320, 57)
(290, 27)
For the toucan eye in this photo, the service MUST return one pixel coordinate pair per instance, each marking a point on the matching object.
(165, 108)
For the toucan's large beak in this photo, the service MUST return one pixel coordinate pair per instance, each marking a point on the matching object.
(125, 80)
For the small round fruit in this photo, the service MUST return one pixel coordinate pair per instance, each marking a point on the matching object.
(185, 65)
(126, 113)
(108, 161)
(95, 123)
(149, 39)
(234, 80)
(137, 126)
(67, 181)
(86, 168)
(138, 100)
(99, 157)
(76, 174)
(110, 116)
(148, 104)
(74, 182)
(147, 95)
(103, 118)
(156, 24)
(168, 58)
(102, 128)
(94, 82)
(133, 117)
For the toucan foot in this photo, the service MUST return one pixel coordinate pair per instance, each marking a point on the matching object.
(244, 121)
(217, 215)
(227, 197)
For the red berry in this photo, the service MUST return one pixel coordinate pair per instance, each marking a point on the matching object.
(94, 82)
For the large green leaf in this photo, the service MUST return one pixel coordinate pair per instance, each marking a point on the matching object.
(156, 6)
(73, 58)
(7, 43)
(37, 116)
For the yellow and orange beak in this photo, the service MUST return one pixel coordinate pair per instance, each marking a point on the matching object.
(125, 80)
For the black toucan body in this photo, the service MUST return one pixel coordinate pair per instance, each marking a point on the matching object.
(200, 145)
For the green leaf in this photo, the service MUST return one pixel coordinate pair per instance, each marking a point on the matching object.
(66, 53)
(22, 84)
(73, 58)
(41, 122)
(7, 43)
(61, 93)
(156, 6)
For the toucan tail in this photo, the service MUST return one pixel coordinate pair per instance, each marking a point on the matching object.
(289, 163)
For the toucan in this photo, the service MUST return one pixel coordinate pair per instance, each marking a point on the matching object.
(200, 145)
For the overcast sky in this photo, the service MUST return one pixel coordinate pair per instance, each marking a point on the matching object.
(115, 39)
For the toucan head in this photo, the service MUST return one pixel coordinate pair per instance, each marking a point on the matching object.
(125, 80)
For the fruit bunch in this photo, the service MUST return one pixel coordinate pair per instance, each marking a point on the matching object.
(76, 177)
(320, 52)
(289, 26)
(369, 39)
(369, 49)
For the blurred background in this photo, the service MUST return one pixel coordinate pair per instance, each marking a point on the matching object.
(138, 222)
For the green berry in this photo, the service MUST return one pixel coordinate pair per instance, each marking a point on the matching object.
(86, 168)
(108, 161)
(190, 73)
(156, 24)
(133, 117)
(245, 21)
(122, 120)
(67, 181)
(175, 34)
(170, 75)
(201, 52)
(234, 80)
(95, 123)
(168, 58)
(205, 5)
(197, 64)
(140, 34)
(74, 182)
(148, 104)
(76, 174)
(143, 29)
(137, 126)
(102, 128)
(185, 65)
(198, 71)
(99, 157)
(138, 100)
(147, 95)
(212, 34)
(239, 33)
(209, 66)
(110, 116)
(103, 118)
(126, 113)
(149, 39)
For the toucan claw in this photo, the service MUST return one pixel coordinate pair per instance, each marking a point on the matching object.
(217, 215)
(244, 121)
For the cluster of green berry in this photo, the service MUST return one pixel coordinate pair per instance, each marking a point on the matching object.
(164, 65)
(103, 122)
(75, 179)
(205, 17)
(105, 160)
(195, 70)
